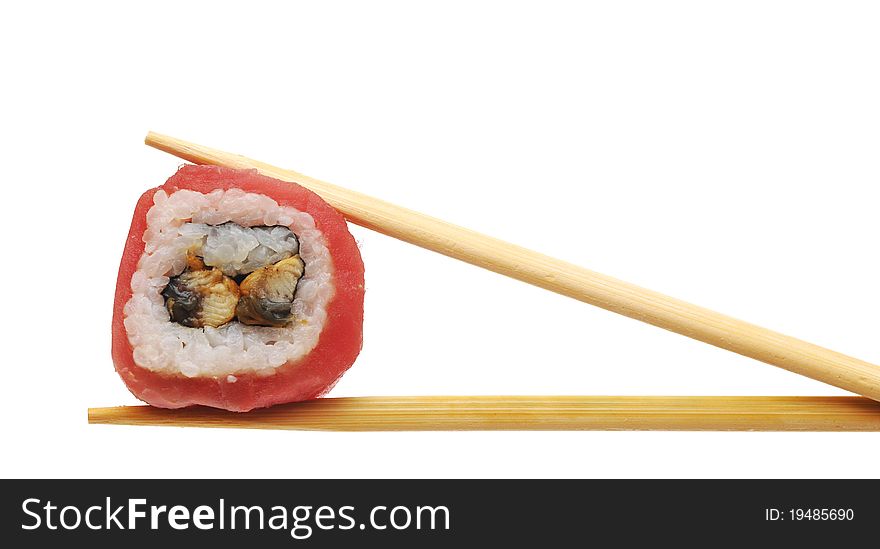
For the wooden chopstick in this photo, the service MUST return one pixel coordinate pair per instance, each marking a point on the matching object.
(564, 278)
(525, 413)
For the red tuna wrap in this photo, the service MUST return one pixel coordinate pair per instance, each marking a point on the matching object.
(309, 377)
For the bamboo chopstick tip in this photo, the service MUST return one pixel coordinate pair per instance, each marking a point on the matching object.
(152, 137)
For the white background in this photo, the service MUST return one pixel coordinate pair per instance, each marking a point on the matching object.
(725, 153)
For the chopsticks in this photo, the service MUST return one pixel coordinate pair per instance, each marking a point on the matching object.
(564, 278)
(525, 413)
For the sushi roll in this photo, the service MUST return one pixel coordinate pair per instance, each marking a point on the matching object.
(236, 291)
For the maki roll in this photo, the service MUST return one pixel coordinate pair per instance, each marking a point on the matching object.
(236, 291)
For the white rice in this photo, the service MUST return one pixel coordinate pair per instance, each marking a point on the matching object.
(237, 250)
(161, 345)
